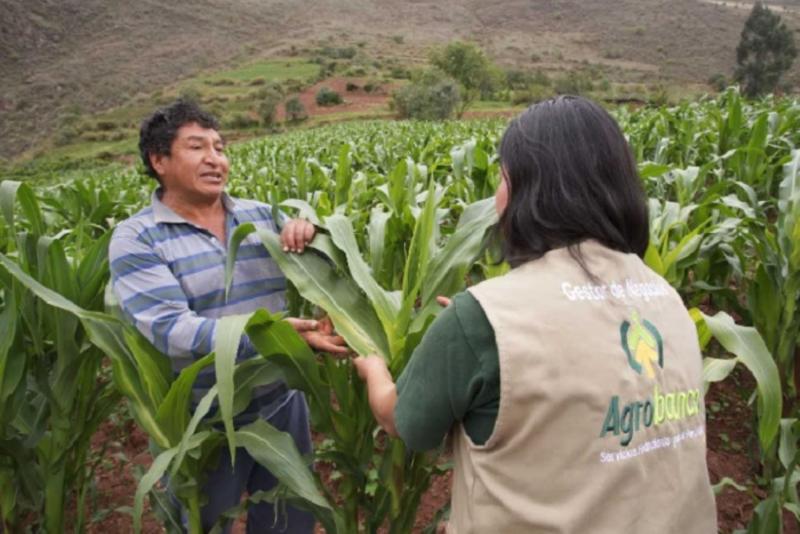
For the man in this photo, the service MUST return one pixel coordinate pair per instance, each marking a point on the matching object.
(167, 270)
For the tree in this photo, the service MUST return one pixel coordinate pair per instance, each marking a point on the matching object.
(295, 110)
(469, 66)
(431, 95)
(765, 52)
(269, 98)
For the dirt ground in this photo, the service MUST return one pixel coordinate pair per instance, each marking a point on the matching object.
(731, 444)
(354, 101)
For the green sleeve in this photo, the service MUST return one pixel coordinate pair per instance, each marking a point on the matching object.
(453, 376)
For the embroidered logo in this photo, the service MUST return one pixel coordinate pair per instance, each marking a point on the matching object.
(642, 344)
(644, 349)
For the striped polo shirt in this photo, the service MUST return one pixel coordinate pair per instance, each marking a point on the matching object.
(168, 276)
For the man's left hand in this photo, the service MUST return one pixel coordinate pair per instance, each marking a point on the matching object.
(296, 234)
(319, 335)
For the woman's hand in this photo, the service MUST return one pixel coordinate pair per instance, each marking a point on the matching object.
(381, 390)
(319, 335)
(296, 234)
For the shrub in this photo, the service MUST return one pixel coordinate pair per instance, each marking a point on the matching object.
(240, 121)
(574, 83)
(350, 87)
(105, 126)
(293, 86)
(518, 79)
(257, 81)
(66, 135)
(718, 81)
(371, 87)
(399, 73)
(295, 110)
(190, 93)
(531, 95)
(339, 53)
(432, 96)
(221, 82)
(328, 97)
(356, 71)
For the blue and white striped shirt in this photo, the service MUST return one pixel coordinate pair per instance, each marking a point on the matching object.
(168, 276)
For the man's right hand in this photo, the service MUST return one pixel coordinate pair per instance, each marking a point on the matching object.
(296, 235)
(319, 335)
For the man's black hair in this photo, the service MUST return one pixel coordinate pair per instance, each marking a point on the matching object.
(571, 177)
(159, 130)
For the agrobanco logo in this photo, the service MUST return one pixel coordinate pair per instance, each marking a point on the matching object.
(643, 347)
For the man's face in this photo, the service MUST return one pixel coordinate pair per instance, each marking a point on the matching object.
(196, 169)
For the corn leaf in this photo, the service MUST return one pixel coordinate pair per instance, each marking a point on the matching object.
(317, 281)
(385, 303)
(749, 348)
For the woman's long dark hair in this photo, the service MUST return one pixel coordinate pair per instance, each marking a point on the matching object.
(571, 177)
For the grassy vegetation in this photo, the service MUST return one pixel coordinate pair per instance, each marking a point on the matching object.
(279, 69)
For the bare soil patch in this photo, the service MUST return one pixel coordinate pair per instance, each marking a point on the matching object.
(732, 453)
(355, 101)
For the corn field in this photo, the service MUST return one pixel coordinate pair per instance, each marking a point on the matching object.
(404, 213)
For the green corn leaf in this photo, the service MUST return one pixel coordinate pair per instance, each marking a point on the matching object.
(251, 374)
(188, 439)
(417, 261)
(173, 413)
(278, 342)
(92, 272)
(226, 345)
(344, 176)
(105, 332)
(276, 451)
(790, 436)
(13, 363)
(653, 259)
(324, 244)
(12, 192)
(305, 211)
(156, 472)
(152, 367)
(449, 266)
(749, 348)
(717, 369)
(317, 281)
(725, 483)
(789, 190)
(766, 517)
(703, 333)
(385, 303)
(377, 238)
(241, 232)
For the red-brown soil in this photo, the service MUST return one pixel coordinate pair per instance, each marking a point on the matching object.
(731, 443)
(357, 101)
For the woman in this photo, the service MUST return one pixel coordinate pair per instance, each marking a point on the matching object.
(571, 385)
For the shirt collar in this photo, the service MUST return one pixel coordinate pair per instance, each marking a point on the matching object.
(164, 214)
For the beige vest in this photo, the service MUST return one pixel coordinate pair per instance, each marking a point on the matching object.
(601, 425)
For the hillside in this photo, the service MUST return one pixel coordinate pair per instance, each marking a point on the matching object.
(63, 57)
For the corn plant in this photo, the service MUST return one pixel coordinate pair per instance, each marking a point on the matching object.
(380, 479)
(185, 443)
(54, 391)
(774, 293)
